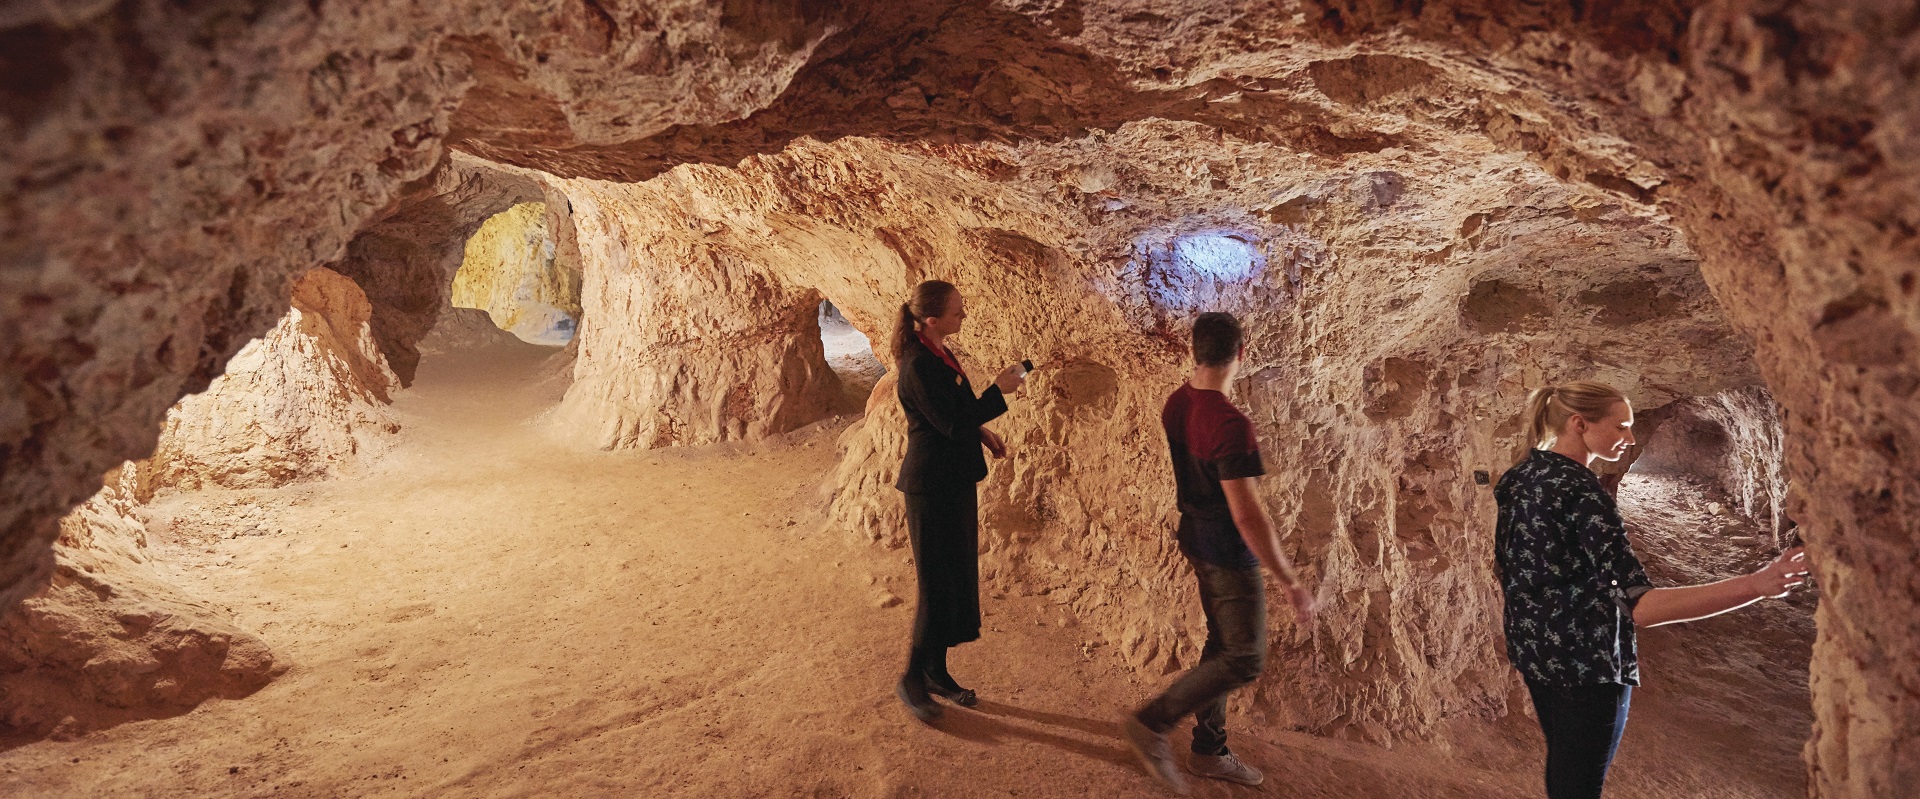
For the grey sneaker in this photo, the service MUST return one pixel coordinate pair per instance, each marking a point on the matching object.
(1225, 767)
(1154, 753)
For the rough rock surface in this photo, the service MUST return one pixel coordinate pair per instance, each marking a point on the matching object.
(406, 261)
(1734, 443)
(462, 329)
(306, 400)
(850, 355)
(109, 640)
(684, 344)
(171, 166)
(1377, 402)
(509, 270)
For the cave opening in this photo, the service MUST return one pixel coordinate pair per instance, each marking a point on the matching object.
(1708, 484)
(849, 353)
(1704, 497)
(509, 269)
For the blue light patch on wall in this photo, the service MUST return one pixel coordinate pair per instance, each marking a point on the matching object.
(1223, 256)
(1198, 265)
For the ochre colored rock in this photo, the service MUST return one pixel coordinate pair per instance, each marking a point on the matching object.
(406, 258)
(1449, 202)
(462, 329)
(171, 168)
(306, 400)
(510, 272)
(682, 345)
(110, 640)
(1376, 399)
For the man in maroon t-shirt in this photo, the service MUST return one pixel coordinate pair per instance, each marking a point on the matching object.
(1226, 536)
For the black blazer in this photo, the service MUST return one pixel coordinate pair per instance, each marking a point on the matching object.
(943, 423)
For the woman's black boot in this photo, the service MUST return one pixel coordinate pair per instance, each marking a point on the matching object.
(912, 689)
(941, 684)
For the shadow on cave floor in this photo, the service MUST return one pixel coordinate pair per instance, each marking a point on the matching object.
(490, 614)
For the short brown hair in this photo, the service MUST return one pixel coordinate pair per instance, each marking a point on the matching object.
(1216, 339)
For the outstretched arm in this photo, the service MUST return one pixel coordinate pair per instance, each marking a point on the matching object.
(1691, 603)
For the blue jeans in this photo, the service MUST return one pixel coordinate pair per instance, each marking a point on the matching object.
(1583, 726)
(1235, 604)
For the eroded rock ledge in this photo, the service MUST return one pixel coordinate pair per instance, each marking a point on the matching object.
(110, 640)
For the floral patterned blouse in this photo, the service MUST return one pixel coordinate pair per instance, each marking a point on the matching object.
(1569, 575)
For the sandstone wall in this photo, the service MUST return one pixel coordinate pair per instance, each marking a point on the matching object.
(509, 270)
(1732, 441)
(684, 344)
(1806, 212)
(1778, 136)
(1401, 305)
(170, 167)
(462, 329)
(308, 399)
(109, 640)
(407, 257)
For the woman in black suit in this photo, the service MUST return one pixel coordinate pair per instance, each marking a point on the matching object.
(942, 466)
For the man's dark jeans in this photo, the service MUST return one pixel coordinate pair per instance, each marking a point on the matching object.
(1583, 726)
(1235, 603)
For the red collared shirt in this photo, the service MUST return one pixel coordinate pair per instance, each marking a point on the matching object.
(945, 356)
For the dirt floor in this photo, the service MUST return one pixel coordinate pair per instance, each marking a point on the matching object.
(491, 614)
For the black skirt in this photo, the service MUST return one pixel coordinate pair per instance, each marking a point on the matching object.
(945, 530)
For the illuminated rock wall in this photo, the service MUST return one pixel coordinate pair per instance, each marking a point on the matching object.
(171, 168)
(308, 399)
(406, 258)
(1457, 187)
(1731, 441)
(510, 272)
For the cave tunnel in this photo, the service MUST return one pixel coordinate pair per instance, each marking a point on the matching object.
(508, 269)
(464, 399)
(849, 353)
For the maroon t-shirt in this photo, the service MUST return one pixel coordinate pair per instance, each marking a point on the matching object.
(1210, 441)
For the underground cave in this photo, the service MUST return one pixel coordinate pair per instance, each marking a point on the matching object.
(484, 399)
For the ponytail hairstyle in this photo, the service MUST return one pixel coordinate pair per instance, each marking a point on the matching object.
(930, 298)
(1548, 409)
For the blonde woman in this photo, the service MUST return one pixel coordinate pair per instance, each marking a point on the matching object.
(1574, 589)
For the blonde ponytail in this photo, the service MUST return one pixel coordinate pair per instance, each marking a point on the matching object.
(1548, 409)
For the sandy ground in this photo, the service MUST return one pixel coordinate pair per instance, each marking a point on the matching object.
(489, 614)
